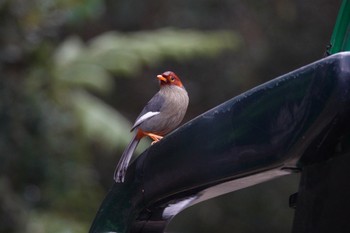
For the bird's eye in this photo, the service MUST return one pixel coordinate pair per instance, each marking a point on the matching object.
(172, 79)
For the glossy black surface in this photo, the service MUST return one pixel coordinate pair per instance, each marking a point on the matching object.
(323, 197)
(269, 131)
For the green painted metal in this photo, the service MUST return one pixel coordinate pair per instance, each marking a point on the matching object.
(340, 40)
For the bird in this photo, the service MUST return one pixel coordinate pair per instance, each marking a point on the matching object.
(162, 114)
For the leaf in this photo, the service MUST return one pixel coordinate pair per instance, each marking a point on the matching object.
(68, 51)
(85, 75)
(101, 122)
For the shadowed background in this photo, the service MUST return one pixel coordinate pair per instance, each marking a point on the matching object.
(75, 74)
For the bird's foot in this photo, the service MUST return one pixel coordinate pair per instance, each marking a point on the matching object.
(154, 142)
(156, 138)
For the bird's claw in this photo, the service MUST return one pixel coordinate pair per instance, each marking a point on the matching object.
(154, 142)
(156, 138)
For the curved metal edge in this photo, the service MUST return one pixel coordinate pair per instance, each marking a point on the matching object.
(259, 135)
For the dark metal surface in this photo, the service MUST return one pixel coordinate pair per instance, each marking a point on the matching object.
(272, 130)
(324, 197)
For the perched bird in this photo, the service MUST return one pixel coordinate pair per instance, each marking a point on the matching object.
(161, 115)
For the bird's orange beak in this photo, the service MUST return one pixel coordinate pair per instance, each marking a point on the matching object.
(161, 78)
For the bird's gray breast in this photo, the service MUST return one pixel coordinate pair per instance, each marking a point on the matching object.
(172, 111)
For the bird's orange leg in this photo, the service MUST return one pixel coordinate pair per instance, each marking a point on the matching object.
(155, 137)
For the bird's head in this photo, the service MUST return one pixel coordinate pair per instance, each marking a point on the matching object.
(169, 78)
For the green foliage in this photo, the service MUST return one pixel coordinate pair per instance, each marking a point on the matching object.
(100, 121)
(43, 222)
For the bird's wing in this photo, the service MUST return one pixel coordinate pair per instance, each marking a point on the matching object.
(150, 110)
(143, 118)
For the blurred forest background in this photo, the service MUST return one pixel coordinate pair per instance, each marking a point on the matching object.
(76, 73)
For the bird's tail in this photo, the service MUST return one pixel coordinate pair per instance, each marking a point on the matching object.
(120, 170)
